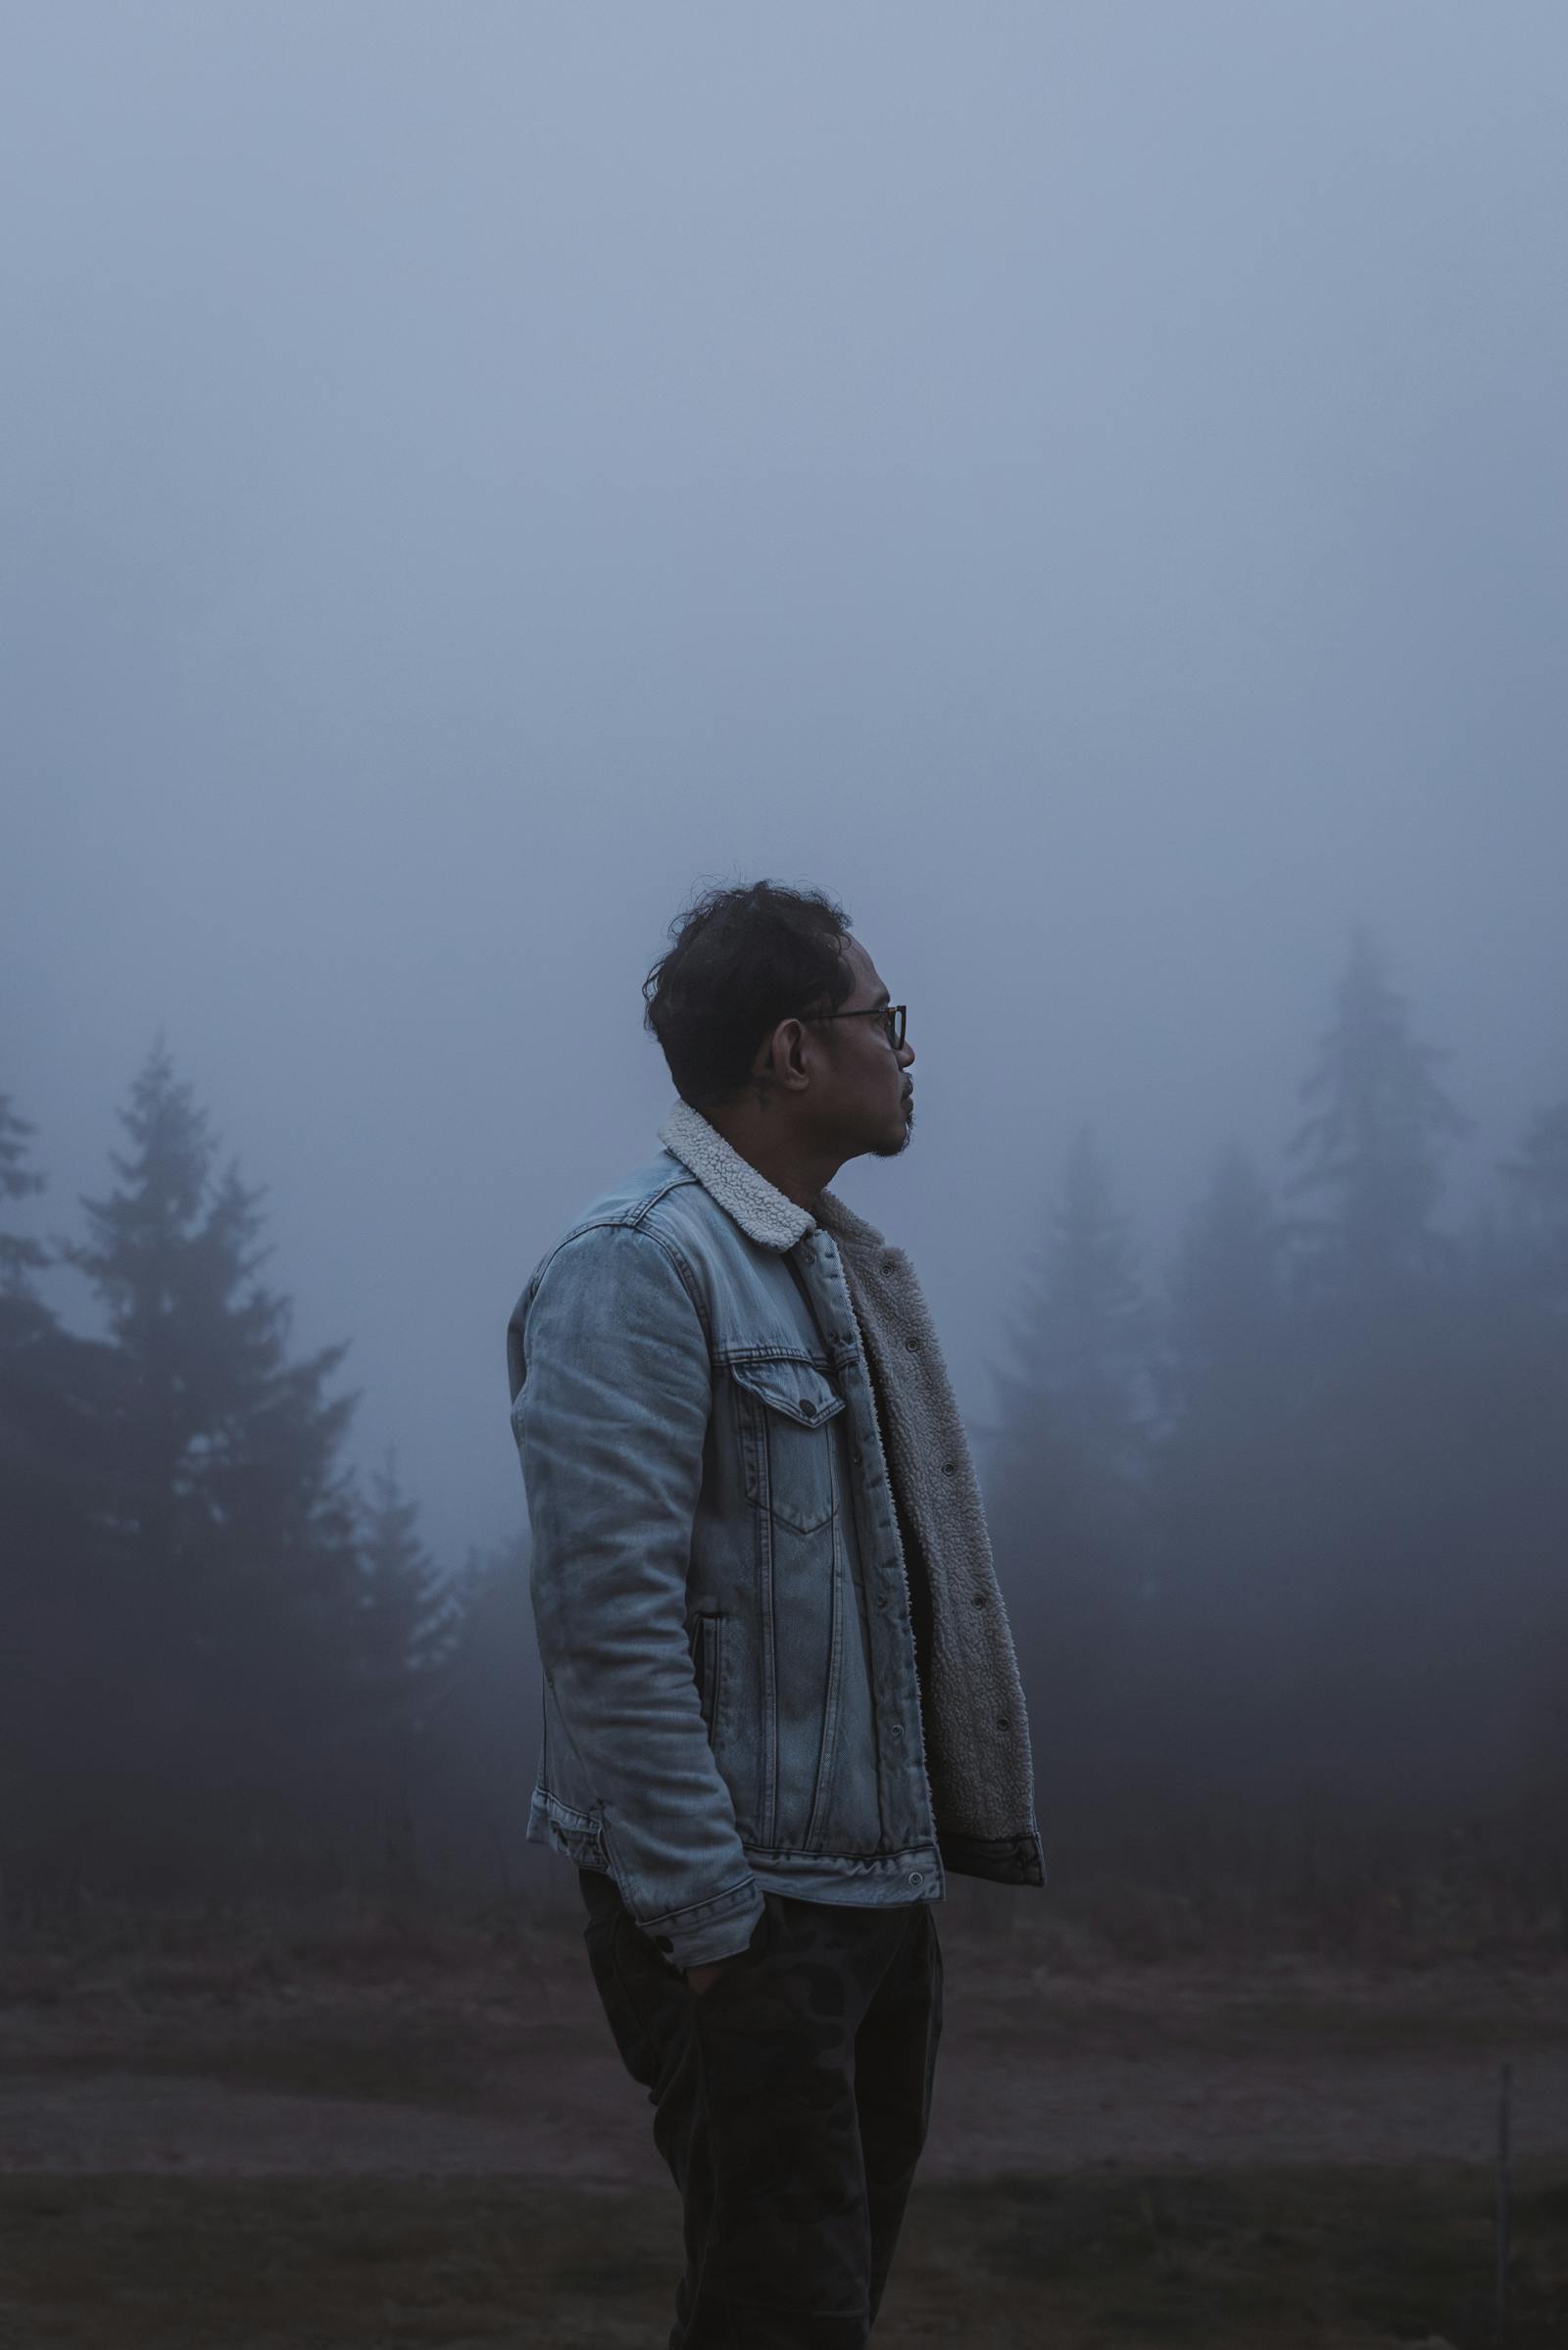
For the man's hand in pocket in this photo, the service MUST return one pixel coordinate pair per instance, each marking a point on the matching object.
(698, 1978)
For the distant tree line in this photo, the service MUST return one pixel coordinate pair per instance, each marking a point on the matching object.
(1283, 1533)
(223, 1665)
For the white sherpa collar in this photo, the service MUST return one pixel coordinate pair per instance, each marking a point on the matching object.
(763, 1214)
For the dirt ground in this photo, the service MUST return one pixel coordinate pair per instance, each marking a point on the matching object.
(171, 2085)
(446, 2057)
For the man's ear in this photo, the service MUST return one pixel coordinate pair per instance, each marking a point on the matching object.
(788, 1038)
(779, 1063)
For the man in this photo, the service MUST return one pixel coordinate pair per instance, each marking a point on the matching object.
(780, 1693)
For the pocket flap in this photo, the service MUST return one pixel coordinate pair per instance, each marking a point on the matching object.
(796, 1388)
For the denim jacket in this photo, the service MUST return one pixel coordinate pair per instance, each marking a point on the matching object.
(731, 1698)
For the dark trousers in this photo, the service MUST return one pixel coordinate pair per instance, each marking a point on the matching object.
(790, 2101)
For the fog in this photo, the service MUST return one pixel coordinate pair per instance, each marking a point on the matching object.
(1085, 485)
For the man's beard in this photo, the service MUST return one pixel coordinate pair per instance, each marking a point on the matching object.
(897, 1149)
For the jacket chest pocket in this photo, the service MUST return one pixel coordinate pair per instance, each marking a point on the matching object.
(785, 1408)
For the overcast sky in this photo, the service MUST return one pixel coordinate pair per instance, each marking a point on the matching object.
(1084, 484)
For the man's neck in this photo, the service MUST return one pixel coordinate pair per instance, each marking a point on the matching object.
(797, 1168)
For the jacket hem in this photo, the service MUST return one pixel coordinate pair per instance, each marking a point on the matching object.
(850, 1880)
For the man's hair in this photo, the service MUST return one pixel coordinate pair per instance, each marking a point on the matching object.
(740, 961)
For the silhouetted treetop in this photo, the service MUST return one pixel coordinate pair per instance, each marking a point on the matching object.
(1373, 1149)
(20, 1256)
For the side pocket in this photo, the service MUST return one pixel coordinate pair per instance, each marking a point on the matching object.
(707, 1668)
(713, 1674)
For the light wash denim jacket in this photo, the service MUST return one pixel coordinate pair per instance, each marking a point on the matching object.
(683, 1475)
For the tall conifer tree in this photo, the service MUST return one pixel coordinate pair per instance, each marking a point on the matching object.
(1226, 1613)
(21, 1257)
(235, 1611)
(489, 1718)
(1392, 1559)
(56, 1393)
(1064, 1484)
(1371, 1153)
(402, 1647)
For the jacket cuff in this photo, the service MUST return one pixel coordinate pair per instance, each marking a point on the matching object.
(709, 1929)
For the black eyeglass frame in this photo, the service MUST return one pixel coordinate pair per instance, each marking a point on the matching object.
(895, 1018)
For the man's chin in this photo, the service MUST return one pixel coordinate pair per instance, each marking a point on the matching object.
(894, 1147)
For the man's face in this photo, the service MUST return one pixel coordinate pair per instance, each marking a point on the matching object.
(862, 1097)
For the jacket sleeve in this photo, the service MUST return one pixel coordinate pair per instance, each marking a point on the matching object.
(611, 1393)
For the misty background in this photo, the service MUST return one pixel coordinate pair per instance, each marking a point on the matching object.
(1085, 485)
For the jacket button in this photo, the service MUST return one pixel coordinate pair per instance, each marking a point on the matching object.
(1002, 1722)
(981, 1598)
(912, 1343)
(949, 1468)
(809, 1411)
(898, 1730)
(915, 1876)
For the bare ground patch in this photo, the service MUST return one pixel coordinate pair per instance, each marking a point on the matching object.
(1290, 2260)
(456, 2052)
(417, 2137)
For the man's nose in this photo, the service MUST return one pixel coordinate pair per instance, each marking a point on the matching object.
(906, 1055)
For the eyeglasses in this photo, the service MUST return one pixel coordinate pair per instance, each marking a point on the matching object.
(893, 1016)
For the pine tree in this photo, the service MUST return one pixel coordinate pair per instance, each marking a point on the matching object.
(55, 1391)
(1226, 1300)
(20, 1256)
(1396, 1564)
(1372, 1151)
(1068, 1460)
(490, 1713)
(234, 1613)
(1081, 1336)
(403, 1649)
(406, 1607)
(1226, 1615)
